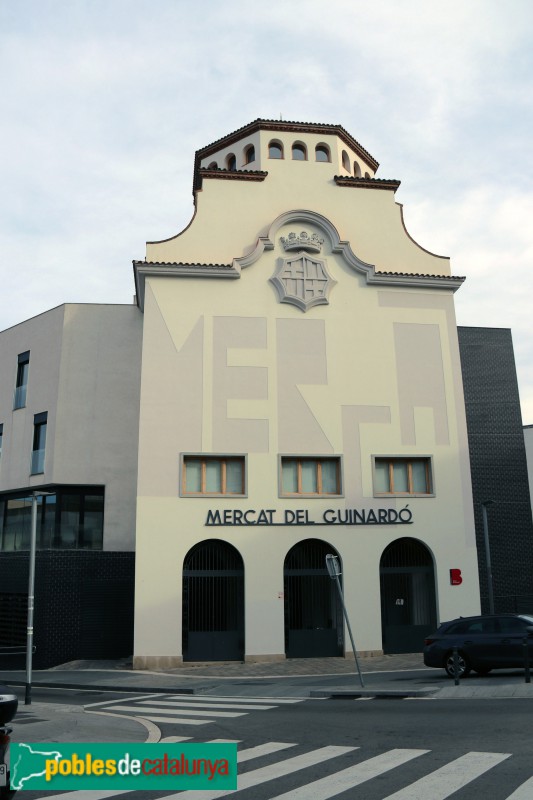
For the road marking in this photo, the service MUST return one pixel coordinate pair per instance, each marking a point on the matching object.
(449, 779)
(524, 792)
(331, 785)
(174, 739)
(204, 704)
(185, 712)
(226, 698)
(125, 700)
(174, 720)
(270, 773)
(242, 756)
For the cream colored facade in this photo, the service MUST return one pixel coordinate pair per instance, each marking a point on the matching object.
(238, 359)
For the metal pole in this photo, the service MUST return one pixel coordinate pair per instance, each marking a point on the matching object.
(349, 630)
(487, 556)
(31, 599)
(526, 660)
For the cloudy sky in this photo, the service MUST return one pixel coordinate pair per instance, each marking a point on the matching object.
(105, 101)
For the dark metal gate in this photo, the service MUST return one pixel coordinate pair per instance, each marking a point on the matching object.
(213, 603)
(313, 615)
(408, 605)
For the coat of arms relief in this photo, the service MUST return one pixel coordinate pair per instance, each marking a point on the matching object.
(302, 279)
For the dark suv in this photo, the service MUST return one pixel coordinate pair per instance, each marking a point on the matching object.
(484, 643)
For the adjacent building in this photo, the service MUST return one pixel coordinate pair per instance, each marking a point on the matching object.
(69, 408)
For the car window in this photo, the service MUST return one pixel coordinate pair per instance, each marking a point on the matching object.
(459, 627)
(489, 625)
(473, 627)
(512, 625)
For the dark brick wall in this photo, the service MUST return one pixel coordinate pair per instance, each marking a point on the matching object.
(83, 604)
(498, 464)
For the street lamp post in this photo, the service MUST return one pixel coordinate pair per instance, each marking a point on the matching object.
(487, 553)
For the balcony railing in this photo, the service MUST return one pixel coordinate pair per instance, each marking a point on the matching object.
(19, 400)
(37, 462)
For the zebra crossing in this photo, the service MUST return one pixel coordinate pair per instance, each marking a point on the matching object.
(189, 710)
(342, 769)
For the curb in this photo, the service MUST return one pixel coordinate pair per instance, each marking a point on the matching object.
(393, 694)
(100, 687)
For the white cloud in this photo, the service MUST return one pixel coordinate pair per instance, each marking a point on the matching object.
(105, 104)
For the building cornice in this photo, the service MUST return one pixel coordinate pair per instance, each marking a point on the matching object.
(367, 183)
(231, 175)
(160, 269)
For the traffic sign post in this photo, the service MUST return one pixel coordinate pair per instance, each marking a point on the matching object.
(334, 570)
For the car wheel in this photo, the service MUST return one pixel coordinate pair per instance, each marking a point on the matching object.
(483, 670)
(462, 661)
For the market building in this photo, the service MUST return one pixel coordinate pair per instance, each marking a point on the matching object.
(290, 383)
(301, 394)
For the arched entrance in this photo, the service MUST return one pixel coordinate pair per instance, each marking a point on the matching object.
(213, 603)
(408, 605)
(313, 614)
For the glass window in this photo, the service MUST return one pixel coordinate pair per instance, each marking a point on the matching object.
(299, 153)
(289, 476)
(231, 162)
(193, 476)
(330, 472)
(21, 385)
(39, 443)
(402, 476)
(310, 476)
(17, 524)
(249, 154)
(234, 476)
(381, 477)
(322, 152)
(206, 475)
(70, 521)
(275, 150)
(513, 625)
(213, 476)
(345, 161)
(93, 522)
(65, 519)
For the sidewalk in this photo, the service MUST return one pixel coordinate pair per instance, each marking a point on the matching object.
(327, 677)
(300, 675)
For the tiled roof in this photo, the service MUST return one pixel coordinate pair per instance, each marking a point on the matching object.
(285, 125)
(280, 125)
(182, 264)
(422, 275)
(231, 174)
(366, 183)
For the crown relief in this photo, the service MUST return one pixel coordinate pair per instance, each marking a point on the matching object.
(302, 241)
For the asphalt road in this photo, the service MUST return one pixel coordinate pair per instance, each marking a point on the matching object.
(403, 749)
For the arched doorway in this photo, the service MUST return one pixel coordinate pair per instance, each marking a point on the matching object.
(213, 603)
(313, 614)
(408, 604)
